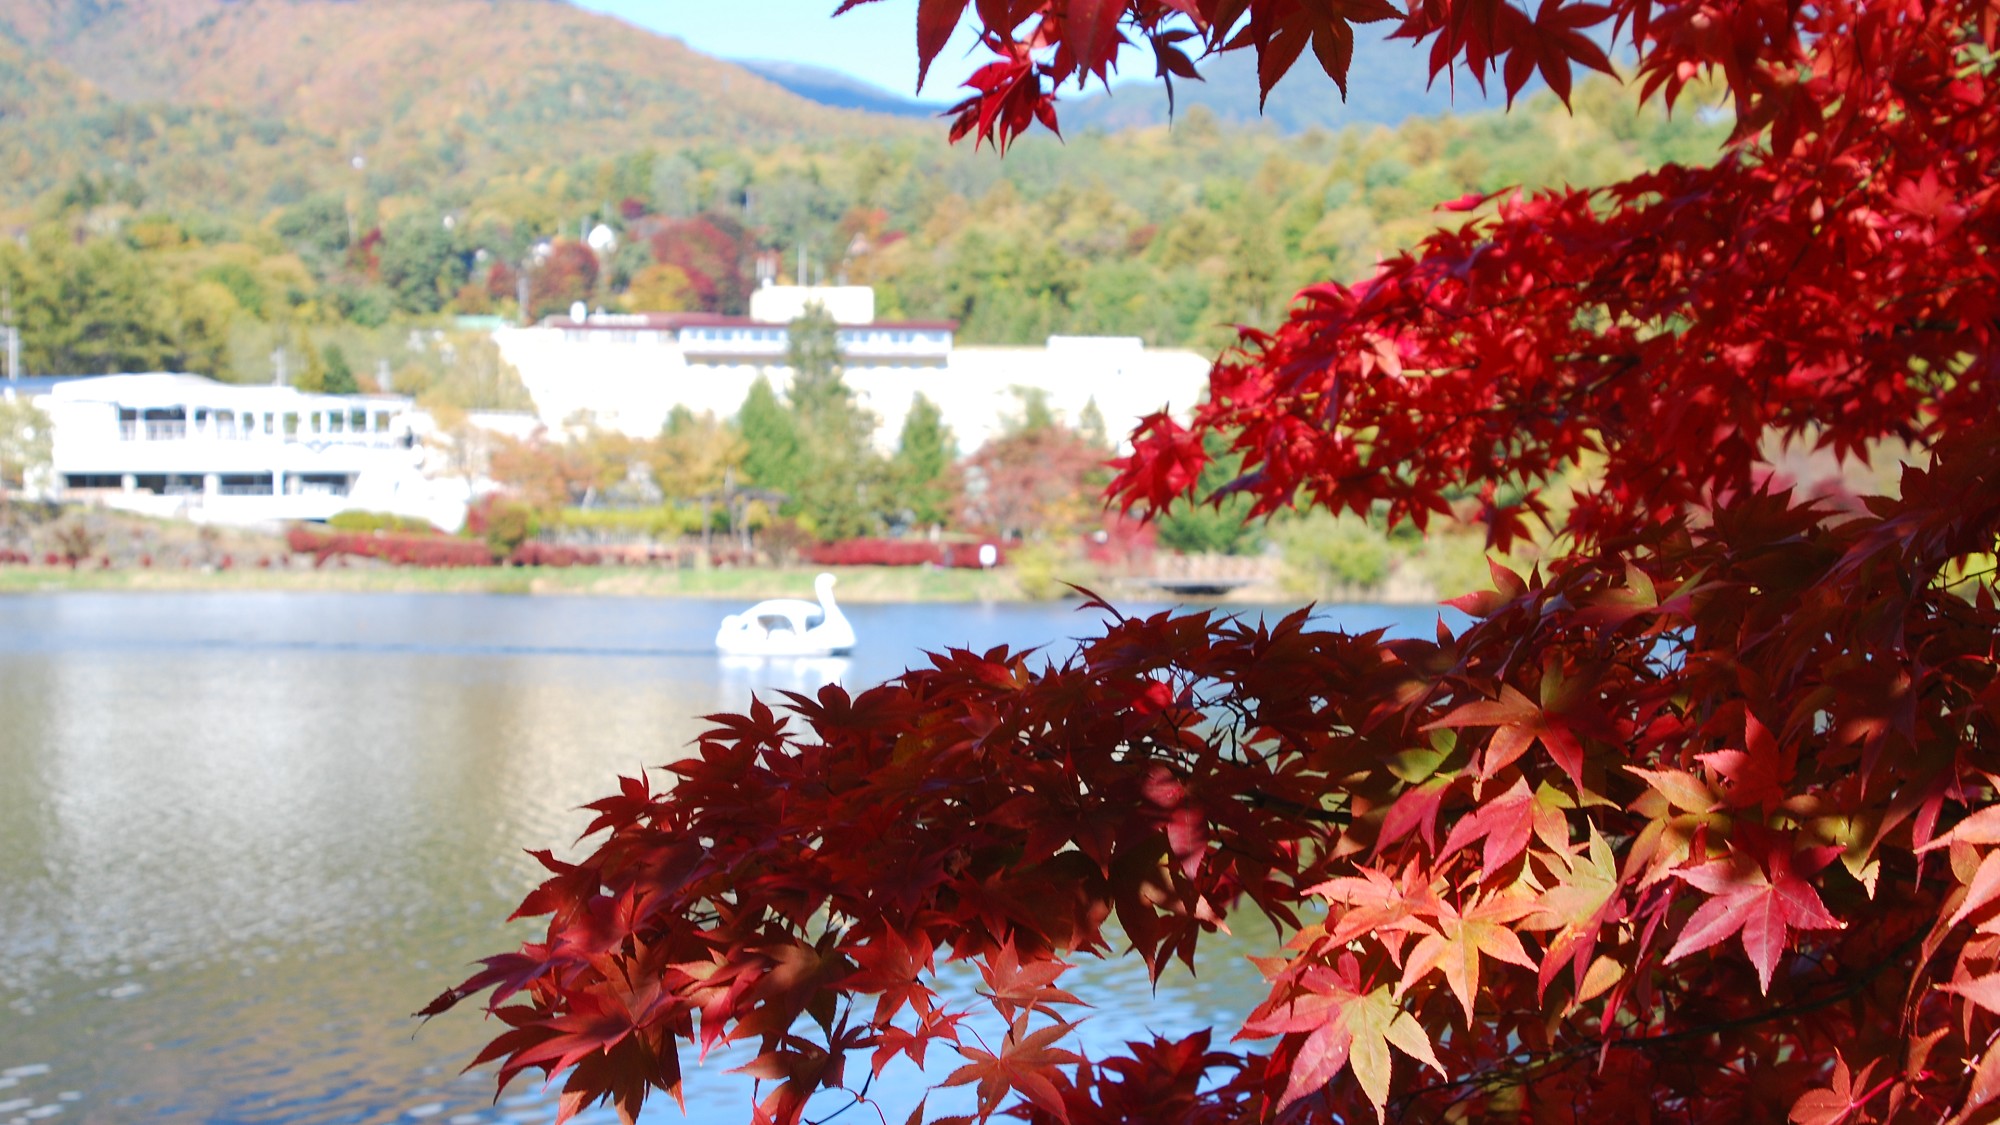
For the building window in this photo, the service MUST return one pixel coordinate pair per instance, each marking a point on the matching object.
(245, 484)
(168, 424)
(169, 484)
(93, 480)
(324, 484)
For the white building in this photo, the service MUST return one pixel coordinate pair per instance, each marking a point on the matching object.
(186, 446)
(627, 372)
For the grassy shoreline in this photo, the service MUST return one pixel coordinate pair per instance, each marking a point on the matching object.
(858, 585)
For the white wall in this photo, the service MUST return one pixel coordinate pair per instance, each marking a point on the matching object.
(632, 387)
(782, 304)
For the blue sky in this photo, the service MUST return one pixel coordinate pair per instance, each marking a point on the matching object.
(876, 42)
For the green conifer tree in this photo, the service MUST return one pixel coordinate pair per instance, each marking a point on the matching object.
(770, 439)
(841, 488)
(924, 469)
(339, 377)
(812, 350)
(1090, 423)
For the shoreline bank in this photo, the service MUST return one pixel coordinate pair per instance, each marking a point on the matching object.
(858, 585)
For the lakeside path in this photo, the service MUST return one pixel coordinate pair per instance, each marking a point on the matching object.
(858, 585)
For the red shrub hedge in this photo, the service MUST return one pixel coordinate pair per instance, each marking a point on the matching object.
(898, 552)
(429, 551)
(544, 554)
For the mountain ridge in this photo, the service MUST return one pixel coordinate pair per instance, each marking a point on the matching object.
(837, 90)
(1389, 84)
(429, 90)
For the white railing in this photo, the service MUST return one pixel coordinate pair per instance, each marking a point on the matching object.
(129, 430)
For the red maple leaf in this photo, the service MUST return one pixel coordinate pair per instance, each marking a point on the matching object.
(1018, 988)
(1759, 891)
(1027, 1064)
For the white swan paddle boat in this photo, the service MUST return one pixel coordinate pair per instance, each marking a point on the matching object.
(789, 627)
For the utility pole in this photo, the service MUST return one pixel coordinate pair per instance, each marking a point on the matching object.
(9, 333)
(279, 376)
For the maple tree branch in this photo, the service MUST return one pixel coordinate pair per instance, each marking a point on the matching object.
(1971, 576)
(1258, 799)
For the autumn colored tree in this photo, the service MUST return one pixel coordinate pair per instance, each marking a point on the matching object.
(552, 475)
(1696, 823)
(693, 455)
(712, 252)
(1036, 480)
(566, 275)
(660, 288)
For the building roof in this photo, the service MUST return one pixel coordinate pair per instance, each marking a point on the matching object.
(34, 385)
(675, 321)
(169, 389)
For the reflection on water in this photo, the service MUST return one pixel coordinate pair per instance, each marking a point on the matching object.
(805, 675)
(243, 836)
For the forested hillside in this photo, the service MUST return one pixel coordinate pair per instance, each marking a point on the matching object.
(222, 180)
(386, 96)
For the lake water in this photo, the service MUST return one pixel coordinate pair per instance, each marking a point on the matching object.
(243, 836)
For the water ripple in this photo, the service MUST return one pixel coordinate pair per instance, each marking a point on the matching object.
(243, 836)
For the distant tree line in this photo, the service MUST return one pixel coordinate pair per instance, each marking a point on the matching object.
(1171, 236)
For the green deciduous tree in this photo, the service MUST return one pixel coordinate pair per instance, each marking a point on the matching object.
(1222, 527)
(90, 309)
(419, 263)
(464, 371)
(26, 443)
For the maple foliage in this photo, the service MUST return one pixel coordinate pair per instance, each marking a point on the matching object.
(1698, 822)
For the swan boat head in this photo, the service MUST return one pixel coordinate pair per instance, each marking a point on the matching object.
(789, 626)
